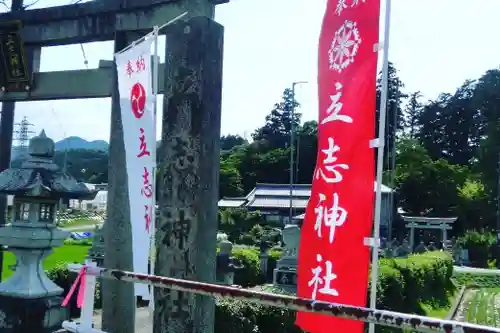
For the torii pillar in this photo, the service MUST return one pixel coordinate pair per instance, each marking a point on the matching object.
(7, 122)
(189, 170)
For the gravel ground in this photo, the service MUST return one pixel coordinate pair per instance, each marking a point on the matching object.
(461, 314)
(143, 321)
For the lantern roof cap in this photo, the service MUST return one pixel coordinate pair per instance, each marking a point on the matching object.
(39, 176)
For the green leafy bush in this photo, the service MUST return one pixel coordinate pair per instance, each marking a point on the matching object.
(249, 275)
(275, 253)
(478, 244)
(390, 288)
(272, 261)
(83, 242)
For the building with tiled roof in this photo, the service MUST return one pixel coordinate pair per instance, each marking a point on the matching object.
(273, 201)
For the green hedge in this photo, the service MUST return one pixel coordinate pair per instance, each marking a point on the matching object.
(403, 285)
(244, 317)
(83, 242)
(424, 278)
(249, 275)
(477, 280)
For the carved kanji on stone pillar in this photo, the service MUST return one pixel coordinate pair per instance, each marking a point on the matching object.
(189, 168)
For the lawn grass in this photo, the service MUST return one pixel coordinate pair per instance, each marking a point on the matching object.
(440, 311)
(62, 255)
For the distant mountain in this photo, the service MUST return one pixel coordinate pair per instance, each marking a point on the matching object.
(75, 142)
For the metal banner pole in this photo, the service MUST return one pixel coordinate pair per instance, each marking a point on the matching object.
(380, 162)
(156, 63)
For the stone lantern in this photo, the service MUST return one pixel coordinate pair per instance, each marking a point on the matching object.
(226, 264)
(29, 300)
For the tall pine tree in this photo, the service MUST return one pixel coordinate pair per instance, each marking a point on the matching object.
(276, 132)
(413, 113)
(395, 117)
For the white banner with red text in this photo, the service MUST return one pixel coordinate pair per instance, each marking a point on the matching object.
(137, 103)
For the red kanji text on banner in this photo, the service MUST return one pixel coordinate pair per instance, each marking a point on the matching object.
(137, 103)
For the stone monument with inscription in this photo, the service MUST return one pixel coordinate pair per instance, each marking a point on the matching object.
(285, 273)
(227, 265)
(96, 251)
(188, 171)
(264, 247)
(29, 301)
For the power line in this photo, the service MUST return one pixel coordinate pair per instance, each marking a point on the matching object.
(85, 60)
(61, 127)
(23, 133)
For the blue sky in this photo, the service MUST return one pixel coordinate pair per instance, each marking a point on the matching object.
(435, 44)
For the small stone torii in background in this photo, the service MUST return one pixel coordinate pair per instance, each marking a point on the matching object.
(191, 82)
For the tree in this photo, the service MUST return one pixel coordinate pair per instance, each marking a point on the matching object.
(474, 208)
(229, 180)
(413, 113)
(432, 134)
(276, 132)
(395, 97)
(451, 126)
(487, 100)
(235, 222)
(228, 142)
(90, 166)
(395, 117)
(307, 151)
(257, 163)
(426, 186)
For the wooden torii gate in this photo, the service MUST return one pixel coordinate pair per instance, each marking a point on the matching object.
(189, 154)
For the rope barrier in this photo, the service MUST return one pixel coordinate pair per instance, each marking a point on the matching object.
(367, 315)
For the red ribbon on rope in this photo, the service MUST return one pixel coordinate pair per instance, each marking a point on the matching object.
(80, 279)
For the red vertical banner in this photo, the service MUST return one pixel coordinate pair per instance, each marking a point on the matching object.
(333, 259)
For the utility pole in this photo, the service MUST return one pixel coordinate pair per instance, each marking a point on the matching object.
(298, 160)
(23, 134)
(498, 214)
(292, 148)
(393, 168)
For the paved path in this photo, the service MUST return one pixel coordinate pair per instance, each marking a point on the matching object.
(81, 227)
(143, 321)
